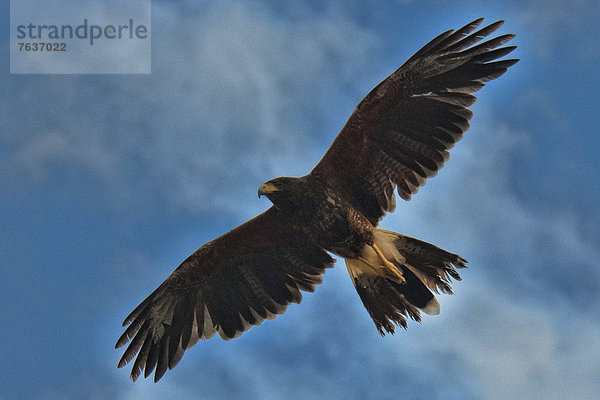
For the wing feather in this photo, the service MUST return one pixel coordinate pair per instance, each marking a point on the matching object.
(227, 286)
(400, 134)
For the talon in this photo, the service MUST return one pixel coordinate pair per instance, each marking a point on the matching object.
(401, 277)
(395, 272)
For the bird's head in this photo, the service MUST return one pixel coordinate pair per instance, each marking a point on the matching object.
(283, 192)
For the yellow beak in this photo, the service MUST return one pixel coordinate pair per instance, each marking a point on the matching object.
(267, 188)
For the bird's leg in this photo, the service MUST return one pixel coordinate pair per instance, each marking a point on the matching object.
(391, 268)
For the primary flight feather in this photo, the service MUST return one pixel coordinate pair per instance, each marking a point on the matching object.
(399, 135)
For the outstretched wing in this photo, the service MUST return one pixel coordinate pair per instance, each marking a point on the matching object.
(400, 133)
(228, 285)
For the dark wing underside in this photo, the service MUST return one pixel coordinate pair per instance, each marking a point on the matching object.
(400, 133)
(228, 285)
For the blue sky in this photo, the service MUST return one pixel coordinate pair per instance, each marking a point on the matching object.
(109, 181)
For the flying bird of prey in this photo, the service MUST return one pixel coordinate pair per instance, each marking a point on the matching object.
(398, 136)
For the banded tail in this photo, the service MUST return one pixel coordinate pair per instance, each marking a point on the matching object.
(425, 268)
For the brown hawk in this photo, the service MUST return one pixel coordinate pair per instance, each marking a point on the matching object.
(398, 136)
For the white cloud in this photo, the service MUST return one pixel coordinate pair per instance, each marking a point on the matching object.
(243, 83)
(472, 206)
(547, 22)
(518, 348)
(505, 339)
(43, 149)
(524, 319)
(232, 90)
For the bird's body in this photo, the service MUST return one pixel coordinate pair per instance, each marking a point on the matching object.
(321, 214)
(398, 136)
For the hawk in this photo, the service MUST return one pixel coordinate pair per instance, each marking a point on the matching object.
(399, 135)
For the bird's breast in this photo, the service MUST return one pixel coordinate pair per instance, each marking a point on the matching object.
(339, 228)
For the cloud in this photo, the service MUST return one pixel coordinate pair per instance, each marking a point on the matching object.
(541, 248)
(46, 147)
(522, 322)
(244, 88)
(511, 348)
(227, 94)
(521, 325)
(550, 22)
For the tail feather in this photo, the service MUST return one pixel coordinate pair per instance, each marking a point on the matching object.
(423, 265)
(385, 304)
(434, 266)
